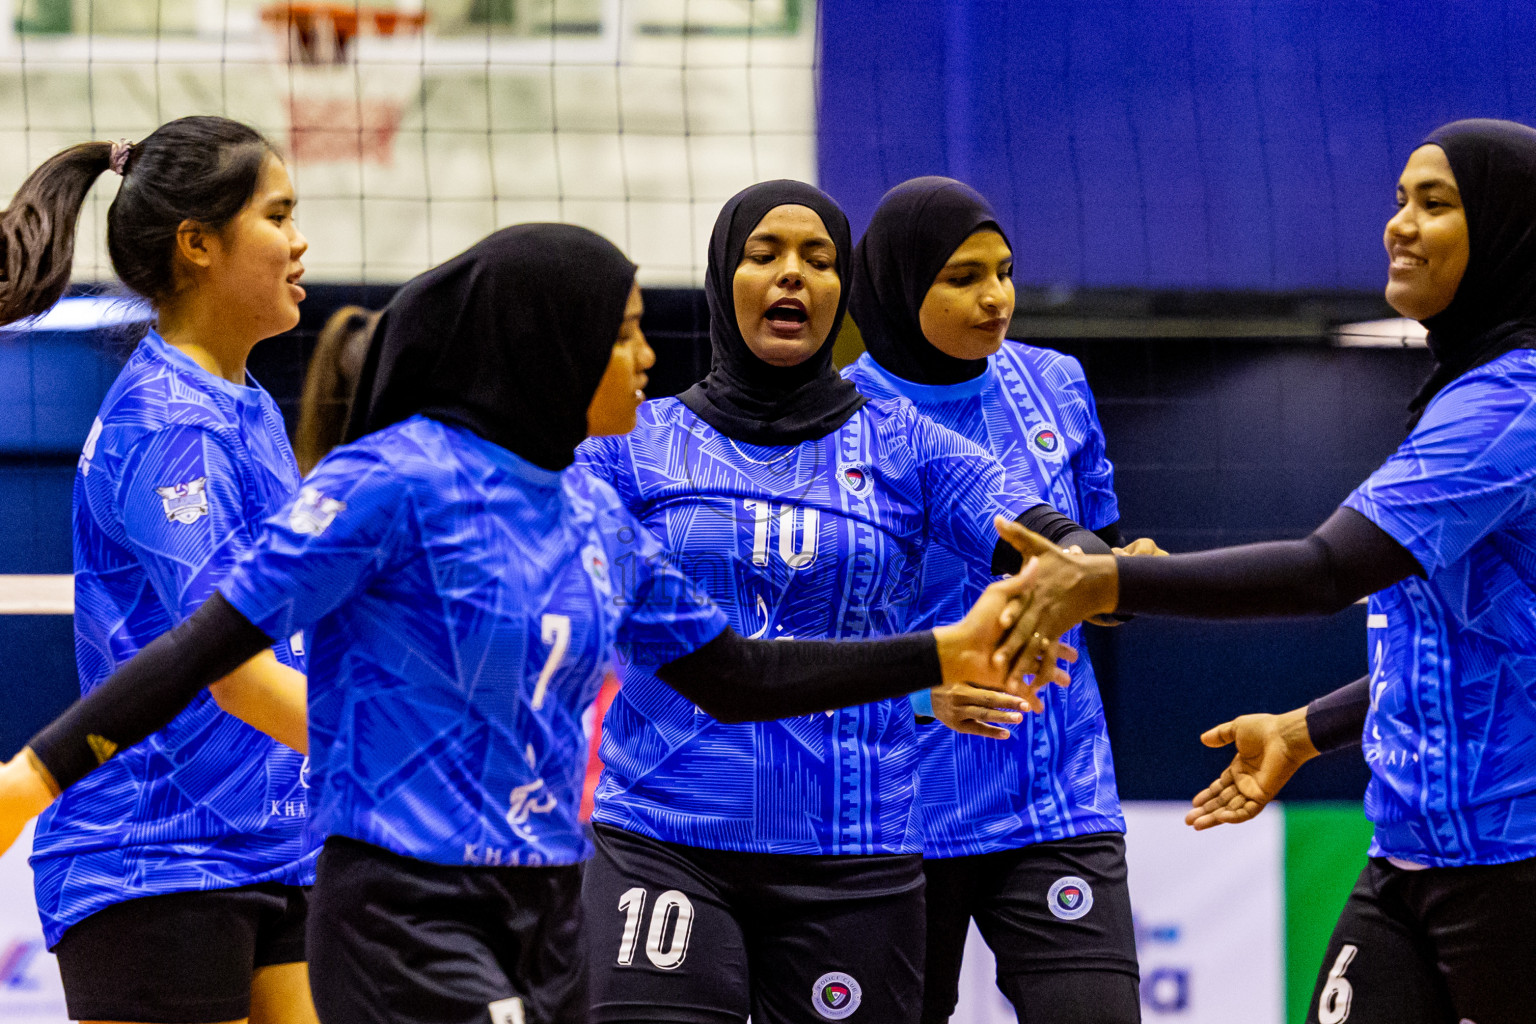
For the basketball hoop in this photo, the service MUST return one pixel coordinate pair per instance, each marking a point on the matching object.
(339, 111)
(322, 33)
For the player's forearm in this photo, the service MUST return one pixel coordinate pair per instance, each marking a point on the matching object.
(269, 697)
(1054, 527)
(1337, 720)
(735, 679)
(1345, 559)
(150, 690)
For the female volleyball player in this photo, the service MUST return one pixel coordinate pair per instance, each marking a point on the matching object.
(462, 585)
(171, 883)
(1443, 538)
(774, 868)
(1026, 835)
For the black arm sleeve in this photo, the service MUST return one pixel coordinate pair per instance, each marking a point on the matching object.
(739, 680)
(1345, 559)
(1054, 527)
(1110, 535)
(149, 691)
(1337, 720)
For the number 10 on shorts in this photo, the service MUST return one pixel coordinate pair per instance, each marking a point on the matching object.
(663, 951)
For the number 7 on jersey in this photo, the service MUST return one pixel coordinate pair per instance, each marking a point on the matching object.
(556, 631)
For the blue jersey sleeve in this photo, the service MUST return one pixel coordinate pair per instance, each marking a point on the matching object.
(1092, 471)
(965, 487)
(608, 459)
(336, 535)
(664, 615)
(181, 496)
(1464, 472)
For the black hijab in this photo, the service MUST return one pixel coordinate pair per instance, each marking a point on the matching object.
(509, 339)
(1494, 309)
(916, 228)
(744, 397)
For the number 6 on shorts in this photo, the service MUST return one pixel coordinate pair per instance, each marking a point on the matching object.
(1333, 1004)
(633, 905)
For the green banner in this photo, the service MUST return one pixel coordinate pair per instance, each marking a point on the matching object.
(1325, 848)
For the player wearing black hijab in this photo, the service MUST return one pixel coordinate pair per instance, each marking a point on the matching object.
(1442, 538)
(1025, 836)
(773, 869)
(461, 584)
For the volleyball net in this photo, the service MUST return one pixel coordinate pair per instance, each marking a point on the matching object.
(416, 127)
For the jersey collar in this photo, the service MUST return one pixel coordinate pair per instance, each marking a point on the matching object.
(533, 475)
(171, 354)
(920, 394)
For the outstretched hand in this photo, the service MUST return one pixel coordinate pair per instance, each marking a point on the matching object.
(1269, 750)
(966, 648)
(1063, 590)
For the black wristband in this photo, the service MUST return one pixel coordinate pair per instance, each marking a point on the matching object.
(1054, 527)
(1337, 720)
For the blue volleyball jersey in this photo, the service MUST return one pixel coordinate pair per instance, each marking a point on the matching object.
(178, 470)
(1451, 735)
(812, 541)
(461, 604)
(1054, 778)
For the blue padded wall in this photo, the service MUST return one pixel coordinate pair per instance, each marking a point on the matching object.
(1167, 144)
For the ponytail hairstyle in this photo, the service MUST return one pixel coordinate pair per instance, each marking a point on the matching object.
(330, 382)
(202, 169)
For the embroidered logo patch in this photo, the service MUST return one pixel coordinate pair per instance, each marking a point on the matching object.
(1070, 898)
(313, 512)
(596, 563)
(1046, 441)
(836, 995)
(856, 478)
(185, 503)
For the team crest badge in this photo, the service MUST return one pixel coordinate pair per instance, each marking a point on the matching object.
(836, 995)
(1070, 898)
(313, 512)
(1045, 441)
(185, 503)
(855, 478)
(596, 563)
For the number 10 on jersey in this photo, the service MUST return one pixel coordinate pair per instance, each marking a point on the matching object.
(765, 514)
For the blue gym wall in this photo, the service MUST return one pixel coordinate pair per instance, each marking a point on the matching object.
(1167, 144)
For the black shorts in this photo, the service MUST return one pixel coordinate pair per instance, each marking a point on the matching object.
(180, 958)
(1436, 946)
(1058, 917)
(697, 936)
(398, 940)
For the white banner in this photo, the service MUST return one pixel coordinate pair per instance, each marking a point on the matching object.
(1210, 923)
(30, 991)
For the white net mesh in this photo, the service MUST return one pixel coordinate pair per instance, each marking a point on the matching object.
(636, 118)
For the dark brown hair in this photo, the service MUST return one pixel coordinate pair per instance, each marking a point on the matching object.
(202, 169)
(329, 383)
